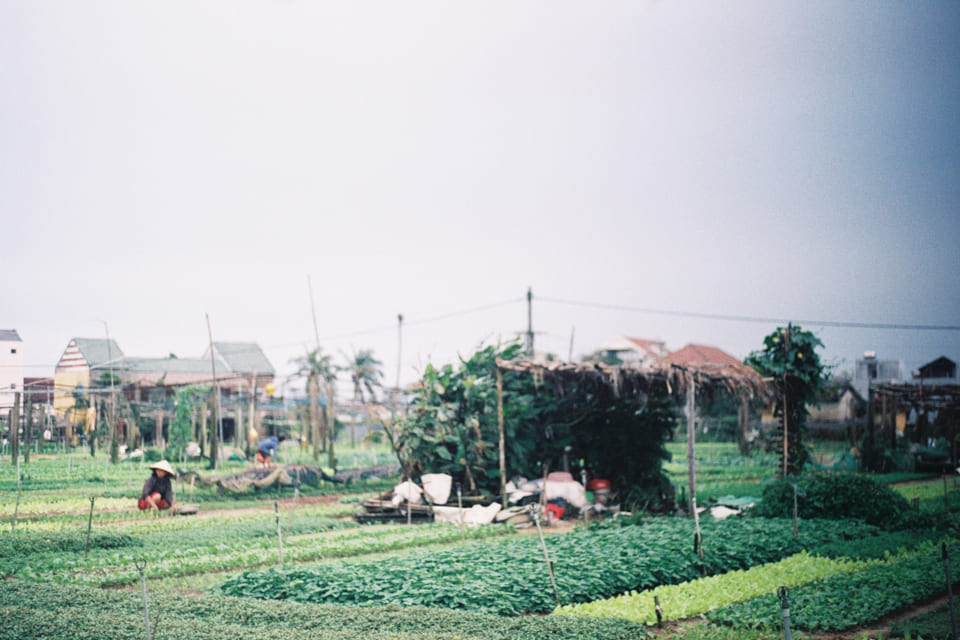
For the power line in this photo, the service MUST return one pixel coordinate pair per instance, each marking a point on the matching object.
(733, 318)
(406, 323)
(340, 336)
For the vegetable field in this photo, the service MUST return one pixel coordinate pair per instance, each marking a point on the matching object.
(291, 568)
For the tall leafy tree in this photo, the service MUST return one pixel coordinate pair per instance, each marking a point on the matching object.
(186, 401)
(789, 357)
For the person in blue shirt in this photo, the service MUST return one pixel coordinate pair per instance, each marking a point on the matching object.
(267, 448)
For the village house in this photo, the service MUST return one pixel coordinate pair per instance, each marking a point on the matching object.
(11, 367)
(91, 362)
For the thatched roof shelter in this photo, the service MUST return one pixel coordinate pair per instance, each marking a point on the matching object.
(682, 372)
(709, 367)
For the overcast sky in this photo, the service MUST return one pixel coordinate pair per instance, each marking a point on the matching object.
(160, 161)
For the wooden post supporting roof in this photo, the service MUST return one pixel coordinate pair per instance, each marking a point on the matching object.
(691, 441)
(503, 457)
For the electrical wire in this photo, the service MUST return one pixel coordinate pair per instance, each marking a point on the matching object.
(735, 318)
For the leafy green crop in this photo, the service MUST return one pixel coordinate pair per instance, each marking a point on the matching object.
(228, 552)
(699, 596)
(32, 612)
(17, 544)
(845, 601)
(509, 577)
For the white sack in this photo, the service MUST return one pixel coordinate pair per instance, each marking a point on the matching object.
(406, 491)
(572, 492)
(437, 486)
(476, 514)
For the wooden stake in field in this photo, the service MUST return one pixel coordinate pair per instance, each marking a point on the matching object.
(86, 545)
(546, 556)
(293, 505)
(217, 440)
(946, 570)
(13, 523)
(276, 514)
(460, 511)
(15, 429)
(691, 442)
(503, 463)
(27, 426)
(141, 565)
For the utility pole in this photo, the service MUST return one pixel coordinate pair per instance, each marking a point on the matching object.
(530, 321)
(396, 389)
(313, 311)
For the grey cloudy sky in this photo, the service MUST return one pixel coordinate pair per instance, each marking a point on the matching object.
(163, 160)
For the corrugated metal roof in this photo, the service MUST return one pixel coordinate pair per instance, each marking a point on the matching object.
(167, 365)
(242, 357)
(9, 335)
(96, 351)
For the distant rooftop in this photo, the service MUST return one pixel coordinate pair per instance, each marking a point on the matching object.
(242, 357)
(98, 351)
(9, 335)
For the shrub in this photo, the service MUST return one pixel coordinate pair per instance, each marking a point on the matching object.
(837, 496)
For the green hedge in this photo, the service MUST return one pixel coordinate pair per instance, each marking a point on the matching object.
(838, 496)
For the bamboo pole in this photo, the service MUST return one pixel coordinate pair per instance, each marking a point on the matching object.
(276, 513)
(546, 556)
(15, 429)
(503, 459)
(217, 440)
(691, 442)
(27, 427)
(141, 565)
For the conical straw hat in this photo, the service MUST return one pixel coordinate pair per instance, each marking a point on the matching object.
(164, 466)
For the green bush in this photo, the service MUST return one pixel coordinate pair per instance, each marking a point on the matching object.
(837, 496)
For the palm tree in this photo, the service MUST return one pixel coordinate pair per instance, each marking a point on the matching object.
(318, 367)
(365, 373)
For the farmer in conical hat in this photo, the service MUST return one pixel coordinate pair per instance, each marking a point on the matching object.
(157, 490)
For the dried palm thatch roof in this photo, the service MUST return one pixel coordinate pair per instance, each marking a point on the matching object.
(588, 376)
(664, 376)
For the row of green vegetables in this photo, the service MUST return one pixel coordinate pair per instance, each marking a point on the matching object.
(510, 577)
(68, 612)
(843, 601)
(699, 596)
(116, 567)
(65, 512)
(138, 529)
